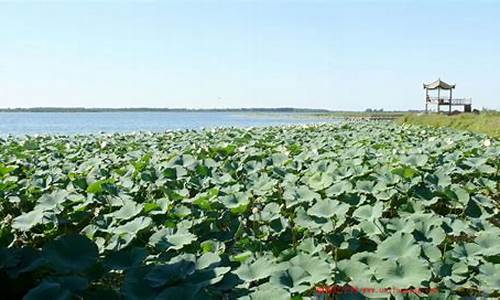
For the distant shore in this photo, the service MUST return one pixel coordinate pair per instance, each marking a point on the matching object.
(159, 109)
(292, 112)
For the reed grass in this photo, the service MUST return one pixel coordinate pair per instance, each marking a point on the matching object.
(484, 122)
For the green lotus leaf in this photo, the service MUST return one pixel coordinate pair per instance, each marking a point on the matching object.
(328, 208)
(125, 259)
(489, 276)
(444, 180)
(266, 292)
(432, 252)
(339, 188)
(361, 278)
(484, 201)
(73, 283)
(136, 287)
(101, 293)
(405, 172)
(165, 239)
(270, 212)
(489, 241)
(428, 228)
(319, 181)
(354, 270)
(189, 162)
(398, 245)
(467, 252)
(436, 235)
(343, 172)
(402, 273)
(317, 268)
(365, 186)
(304, 220)
(416, 160)
(207, 260)
(401, 225)
(368, 212)
(279, 158)
(253, 166)
(461, 194)
(385, 175)
(261, 268)
(17, 261)
(368, 258)
(203, 201)
(371, 228)
(52, 200)
(384, 195)
(237, 202)
(459, 272)
(70, 253)
(242, 257)
(6, 169)
(133, 227)
(97, 187)
(129, 210)
(124, 234)
(426, 194)
(209, 276)
(49, 290)
(184, 291)
(213, 246)
(181, 211)
(202, 170)
(296, 195)
(293, 279)
(309, 246)
(475, 162)
(169, 274)
(28, 220)
(262, 184)
(457, 226)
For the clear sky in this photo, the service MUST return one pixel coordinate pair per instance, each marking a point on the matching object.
(346, 55)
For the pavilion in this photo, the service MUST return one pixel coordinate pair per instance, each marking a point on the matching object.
(431, 97)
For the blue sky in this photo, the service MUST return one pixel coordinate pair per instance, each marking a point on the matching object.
(345, 55)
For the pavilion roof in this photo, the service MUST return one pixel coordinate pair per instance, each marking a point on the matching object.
(438, 84)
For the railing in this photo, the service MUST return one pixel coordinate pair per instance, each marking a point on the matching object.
(446, 101)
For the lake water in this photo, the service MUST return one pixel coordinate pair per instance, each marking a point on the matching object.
(28, 123)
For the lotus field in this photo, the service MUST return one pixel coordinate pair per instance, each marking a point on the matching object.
(349, 210)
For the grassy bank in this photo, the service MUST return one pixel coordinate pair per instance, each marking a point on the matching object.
(488, 123)
(361, 114)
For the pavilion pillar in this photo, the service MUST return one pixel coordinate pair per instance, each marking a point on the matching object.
(426, 100)
(439, 99)
(449, 109)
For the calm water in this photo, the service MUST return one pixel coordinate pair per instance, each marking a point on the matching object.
(21, 123)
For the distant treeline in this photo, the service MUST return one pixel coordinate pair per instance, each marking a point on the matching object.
(149, 109)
